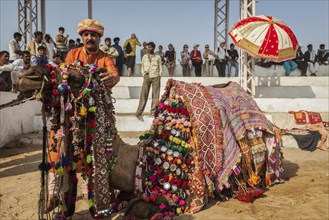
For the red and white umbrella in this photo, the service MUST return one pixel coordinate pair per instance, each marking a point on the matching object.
(265, 37)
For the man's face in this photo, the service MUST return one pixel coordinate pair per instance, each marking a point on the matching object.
(222, 45)
(47, 38)
(150, 49)
(5, 58)
(90, 40)
(72, 44)
(116, 41)
(18, 38)
(144, 45)
(232, 47)
(108, 43)
(26, 58)
(41, 52)
(39, 38)
(133, 36)
(61, 32)
(310, 48)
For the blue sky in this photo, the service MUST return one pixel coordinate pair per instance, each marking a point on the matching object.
(165, 22)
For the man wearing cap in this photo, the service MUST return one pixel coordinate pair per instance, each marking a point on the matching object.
(91, 31)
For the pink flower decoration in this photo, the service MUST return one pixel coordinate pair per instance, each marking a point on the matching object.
(181, 202)
(162, 206)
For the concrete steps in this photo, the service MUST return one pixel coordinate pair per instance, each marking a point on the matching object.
(266, 87)
(275, 96)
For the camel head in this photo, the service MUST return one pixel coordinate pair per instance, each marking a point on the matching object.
(35, 78)
(47, 79)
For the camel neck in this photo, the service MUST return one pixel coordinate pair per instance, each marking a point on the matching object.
(123, 175)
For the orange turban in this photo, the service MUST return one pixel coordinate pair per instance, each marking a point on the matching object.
(90, 25)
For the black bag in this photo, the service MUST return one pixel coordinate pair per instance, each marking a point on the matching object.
(128, 48)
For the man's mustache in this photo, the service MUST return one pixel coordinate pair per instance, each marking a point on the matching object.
(90, 41)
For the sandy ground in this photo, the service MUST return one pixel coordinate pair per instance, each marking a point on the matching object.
(305, 195)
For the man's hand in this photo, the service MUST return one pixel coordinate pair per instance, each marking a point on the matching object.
(108, 80)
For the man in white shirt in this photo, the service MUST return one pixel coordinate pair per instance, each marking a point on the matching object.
(152, 71)
(220, 61)
(5, 71)
(51, 47)
(20, 66)
(14, 47)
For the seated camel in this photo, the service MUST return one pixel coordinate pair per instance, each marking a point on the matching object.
(204, 143)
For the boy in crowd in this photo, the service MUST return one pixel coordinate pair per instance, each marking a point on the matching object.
(40, 58)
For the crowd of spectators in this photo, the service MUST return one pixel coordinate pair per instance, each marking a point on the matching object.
(308, 60)
(43, 49)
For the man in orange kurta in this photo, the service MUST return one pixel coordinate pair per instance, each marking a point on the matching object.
(91, 31)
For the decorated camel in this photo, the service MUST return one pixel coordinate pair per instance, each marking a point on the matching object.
(204, 143)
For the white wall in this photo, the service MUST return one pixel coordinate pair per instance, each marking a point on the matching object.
(16, 120)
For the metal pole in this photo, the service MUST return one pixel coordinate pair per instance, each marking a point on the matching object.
(221, 22)
(215, 26)
(31, 20)
(246, 61)
(90, 9)
(43, 15)
(227, 22)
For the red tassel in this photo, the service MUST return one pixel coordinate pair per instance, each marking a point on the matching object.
(250, 194)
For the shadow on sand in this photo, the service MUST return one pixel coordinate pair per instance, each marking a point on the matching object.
(290, 169)
(21, 165)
